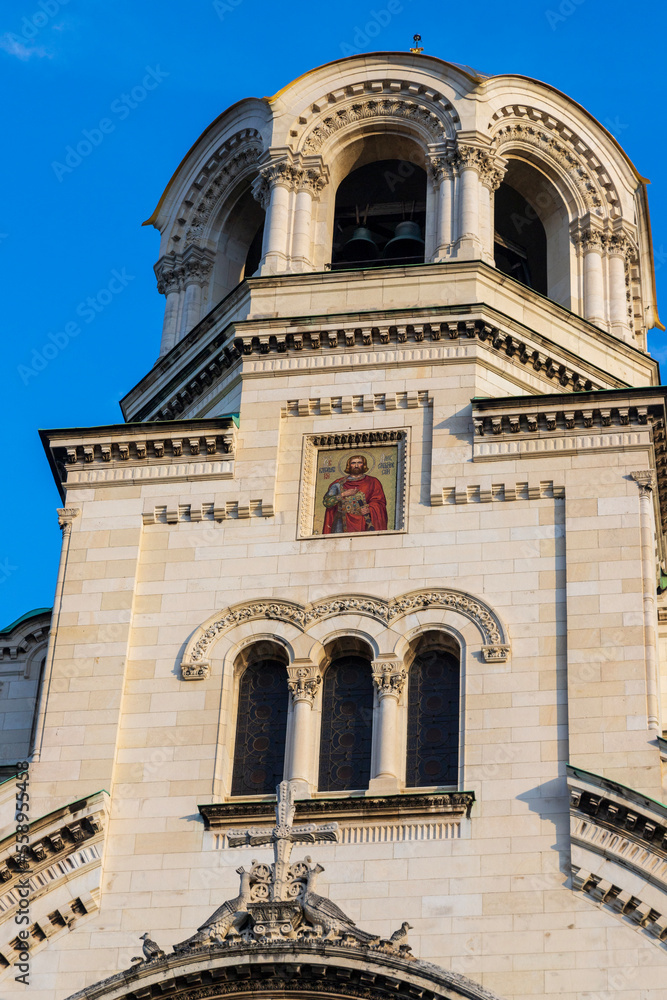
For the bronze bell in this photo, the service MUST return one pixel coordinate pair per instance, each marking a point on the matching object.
(360, 247)
(406, 245)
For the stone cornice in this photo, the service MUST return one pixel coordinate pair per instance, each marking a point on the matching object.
(63, 844)
(128, 453)
(25, 635)
(286, 968)
(533, 426)
(619, 849)
(207, 354)
(220, 815)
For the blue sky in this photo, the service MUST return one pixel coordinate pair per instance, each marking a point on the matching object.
(157, 74)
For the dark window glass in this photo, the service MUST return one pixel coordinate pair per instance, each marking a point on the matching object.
(259, 750)
(433, 719)
(347, 717)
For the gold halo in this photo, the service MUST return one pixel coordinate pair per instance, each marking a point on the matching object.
(370, 461)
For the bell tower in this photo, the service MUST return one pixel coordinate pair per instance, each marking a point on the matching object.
(384, 528)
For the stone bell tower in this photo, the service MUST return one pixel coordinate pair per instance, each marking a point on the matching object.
(384, 528)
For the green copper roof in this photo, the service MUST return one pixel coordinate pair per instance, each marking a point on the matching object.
(28, 614)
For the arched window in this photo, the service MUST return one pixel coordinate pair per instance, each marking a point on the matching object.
(347, 721)
(433, 712)
(380, 216)
(259, 748)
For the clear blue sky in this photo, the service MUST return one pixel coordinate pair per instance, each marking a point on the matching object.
(66, 66)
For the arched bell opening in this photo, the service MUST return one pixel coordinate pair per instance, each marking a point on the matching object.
(380, 216)
(531, 232)
(239, 245)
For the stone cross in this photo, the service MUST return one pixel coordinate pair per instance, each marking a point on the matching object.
(283, 836)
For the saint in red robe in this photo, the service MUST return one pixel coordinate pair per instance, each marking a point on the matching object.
(344, 512)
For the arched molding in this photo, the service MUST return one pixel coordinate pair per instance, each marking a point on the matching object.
(196, 660)
(550, 140)
(286, 968)
(424, 110)
(234, 160)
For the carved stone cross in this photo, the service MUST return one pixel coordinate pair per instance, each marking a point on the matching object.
(283, 836)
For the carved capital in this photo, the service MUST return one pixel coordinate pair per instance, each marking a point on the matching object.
(645, 480)
(65, 517)
(169, 273)
(196, 265)
(303, 680)
(441, 165)
(589, 241)
(389, 677)
(195, 670)
(621, 245)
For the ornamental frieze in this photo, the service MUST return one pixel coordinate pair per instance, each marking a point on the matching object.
(194, 665)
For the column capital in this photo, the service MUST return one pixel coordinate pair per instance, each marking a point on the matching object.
(197, 263)
(169, 273)
(588, 240)
(65, 517)
(389, 677)
(303, 681)
(646, 481)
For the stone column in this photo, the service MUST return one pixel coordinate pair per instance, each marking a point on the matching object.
(309, 181)
(197, 264)
(590, 244)
(441, 170)
(66, 516)
(472, 163)
(169, 273)
(646, 482)
(492, 173)
(389, 677)
(621, 252)
(303, 681)
(272, 189)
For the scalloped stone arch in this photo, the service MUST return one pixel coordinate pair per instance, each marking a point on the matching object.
(195, 663)
(429, 114)
(546, 138)
(234, 160)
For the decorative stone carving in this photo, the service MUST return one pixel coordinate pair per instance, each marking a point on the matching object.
(65, 517)
(278, 902)
(646, 480)
(238, 155)
(386, 611)
(553, 147)
(303, 682)
(389, 677)
(383, 107)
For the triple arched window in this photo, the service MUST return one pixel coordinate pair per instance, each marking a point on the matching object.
(352, 733)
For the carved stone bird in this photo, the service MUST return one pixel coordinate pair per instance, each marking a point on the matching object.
(150, 948)
(400, 937)
(230, 916)
(324, 914)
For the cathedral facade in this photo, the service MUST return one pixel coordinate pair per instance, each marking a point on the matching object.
(354, 681)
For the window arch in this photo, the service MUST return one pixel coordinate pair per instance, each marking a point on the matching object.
(347, 720)
(433, 712)
(261, 720)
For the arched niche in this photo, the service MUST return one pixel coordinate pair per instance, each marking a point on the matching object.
(237, 234)
(532, 231)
